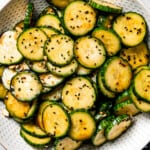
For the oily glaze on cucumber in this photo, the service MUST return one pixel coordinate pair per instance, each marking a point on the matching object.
(78, 93)
(141, 84)
(30, 43)
(143, 106)
(59, 49)
(26, 86)
(79, 18)
(116, 74)
(8, 49)
(56, 121)
(92, 54)
(131, 27)
(83, 125)
(109, 38)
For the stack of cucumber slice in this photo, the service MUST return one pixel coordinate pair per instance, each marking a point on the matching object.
(75, 74)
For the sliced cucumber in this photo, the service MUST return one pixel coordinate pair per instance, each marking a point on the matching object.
(131, 27)
(55, 119)
(35, 141)
(79, 18)
(141, 84)
(83, 125)
(105, 6)
(78, 93)
(126, 107)
(99, 136)
(8, 49)
(49, 10)
(50, 80)
(50, 20)
(103, 89)
(39, 116)
(136, 56)
(92, 54)
(119, 125)
(16, 108)
(110, 39)
(116, 74)
(28, 15)
(139, 103)
(30, 43)
(7, 76)
(54, 94)
(38, 66)
(49, 31)
(67, 143)
(83, 71)
(138, 69)
(64, 71)
(122, 97)
(59, 49)
(25, 86)
(33, 130)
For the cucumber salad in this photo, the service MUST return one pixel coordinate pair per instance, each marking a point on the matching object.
(76, 74)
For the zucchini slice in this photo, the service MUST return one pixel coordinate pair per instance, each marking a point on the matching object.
(138, 69)
(126, 107)
(103, 89)
(83, 71)
(83, 125)
(131, 27)
(105, 6)
(136, 56)
(8, 49)
(55, 119)
(59, 49)
(139, 103)
(30, 43)
(28, 15)
(35, 141)
(50, 20)
(109, 38)
(3, 91)
(33, 130)
(38, 66)
(78, 93)
(50, 80)
(122, 97)
(63, 71)
(25, 86)
(53, 95)
(67, 143)
(16, 108)
(116, 74)
(99, 136)
(92, 54)
(7, 76)
(119, 125)
(141, 84)
(49, 10)
(59, 3)
(49, 31)
(39, 116)
(79, 18)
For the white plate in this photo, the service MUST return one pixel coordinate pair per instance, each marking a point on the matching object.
(134, 139)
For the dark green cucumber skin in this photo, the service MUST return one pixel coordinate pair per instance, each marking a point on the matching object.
(31, 143)
(116, 121)
(28, 15)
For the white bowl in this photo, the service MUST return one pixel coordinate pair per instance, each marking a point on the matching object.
(134, 139)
